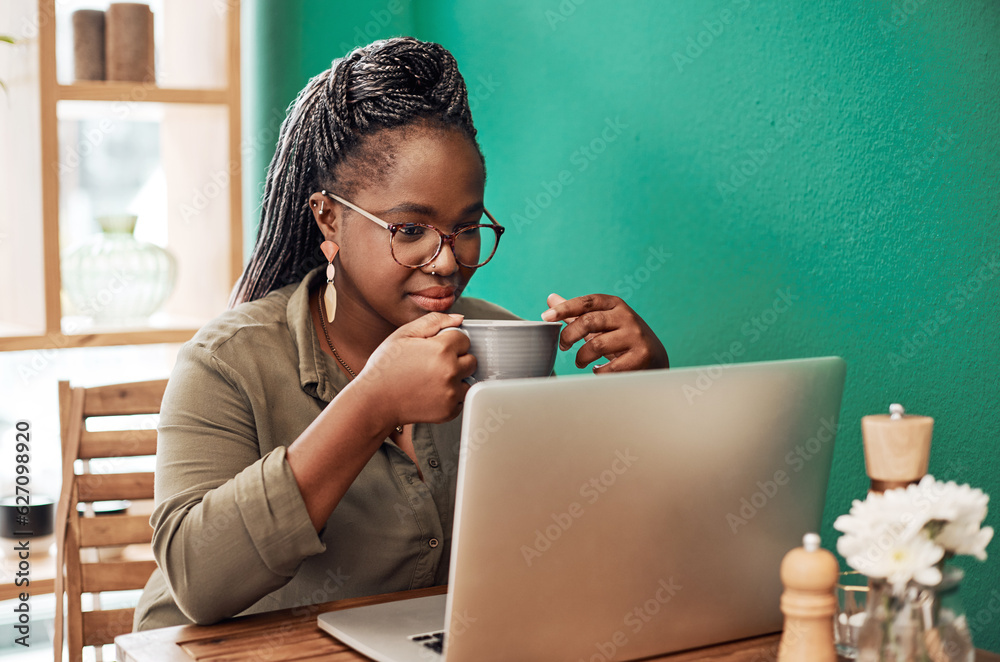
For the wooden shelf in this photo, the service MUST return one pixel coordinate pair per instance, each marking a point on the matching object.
(79, 332)
(199, 117)
(106, 339)
(138, 93)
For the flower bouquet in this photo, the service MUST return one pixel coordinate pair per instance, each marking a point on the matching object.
(901, 540)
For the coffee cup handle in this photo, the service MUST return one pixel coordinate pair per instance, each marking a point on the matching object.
(454, 328)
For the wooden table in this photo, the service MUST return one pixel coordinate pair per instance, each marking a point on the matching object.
(292, 634)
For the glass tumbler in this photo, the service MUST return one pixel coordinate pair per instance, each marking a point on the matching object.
(852, 593)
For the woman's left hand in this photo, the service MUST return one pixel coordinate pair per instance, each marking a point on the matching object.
(611, 329)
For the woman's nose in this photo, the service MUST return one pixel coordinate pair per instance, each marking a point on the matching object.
(445, 263)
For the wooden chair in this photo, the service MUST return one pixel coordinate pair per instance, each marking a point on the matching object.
(83, 538)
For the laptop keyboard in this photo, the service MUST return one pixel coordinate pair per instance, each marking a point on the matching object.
(432, 640)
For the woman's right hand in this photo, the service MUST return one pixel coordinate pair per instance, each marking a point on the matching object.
(416, 375)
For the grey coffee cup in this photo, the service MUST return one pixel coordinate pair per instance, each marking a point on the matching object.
(511, 349)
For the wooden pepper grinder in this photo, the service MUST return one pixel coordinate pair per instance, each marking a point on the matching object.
(897, 448)
(809, 603)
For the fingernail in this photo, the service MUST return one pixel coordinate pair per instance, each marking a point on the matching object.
(549, 315)
(456, 316)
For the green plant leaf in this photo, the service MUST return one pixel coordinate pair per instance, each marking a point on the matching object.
(10, 40)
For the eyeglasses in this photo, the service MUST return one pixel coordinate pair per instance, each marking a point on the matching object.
(415, 245)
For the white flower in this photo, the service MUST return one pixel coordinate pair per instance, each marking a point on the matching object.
(902, 534)
(901, 560)
(965, 538)
(877, 523)
(960, 511)
(949, 501)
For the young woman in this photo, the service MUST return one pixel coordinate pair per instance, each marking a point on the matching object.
(308, 440)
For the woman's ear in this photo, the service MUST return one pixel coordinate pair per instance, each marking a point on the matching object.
(326, 215)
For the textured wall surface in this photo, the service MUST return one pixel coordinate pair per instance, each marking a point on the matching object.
(801, 178)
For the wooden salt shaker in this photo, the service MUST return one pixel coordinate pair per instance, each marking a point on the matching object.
(809, 603)
(897, 448)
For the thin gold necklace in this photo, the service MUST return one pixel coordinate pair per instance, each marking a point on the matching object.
(326, 334)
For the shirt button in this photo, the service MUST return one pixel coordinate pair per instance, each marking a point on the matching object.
(433, 542)
(434, 463)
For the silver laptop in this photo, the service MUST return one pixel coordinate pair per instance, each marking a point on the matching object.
(620, 516)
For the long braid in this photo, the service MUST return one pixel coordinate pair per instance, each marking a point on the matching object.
(387, 84)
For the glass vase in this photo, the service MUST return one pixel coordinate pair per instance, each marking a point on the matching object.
(919, 624)
(114, 278)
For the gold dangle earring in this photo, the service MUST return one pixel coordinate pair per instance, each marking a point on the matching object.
(330, 250)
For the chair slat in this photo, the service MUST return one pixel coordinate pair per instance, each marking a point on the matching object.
(101, 627)
(117, 443)
(116, 575)
(113, 530)
(124, 572)
(123, 399)
(110, 487)
(74, 625)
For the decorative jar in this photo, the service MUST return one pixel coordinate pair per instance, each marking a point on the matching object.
(115, 279)
(917, 624)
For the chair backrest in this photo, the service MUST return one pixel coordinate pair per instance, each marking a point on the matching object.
(84, 540)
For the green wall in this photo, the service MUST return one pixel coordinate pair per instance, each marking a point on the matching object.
(701, 159)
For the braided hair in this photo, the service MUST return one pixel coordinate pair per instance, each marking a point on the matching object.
(334, 138)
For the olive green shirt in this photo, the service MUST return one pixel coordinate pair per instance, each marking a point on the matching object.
(232, 535)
